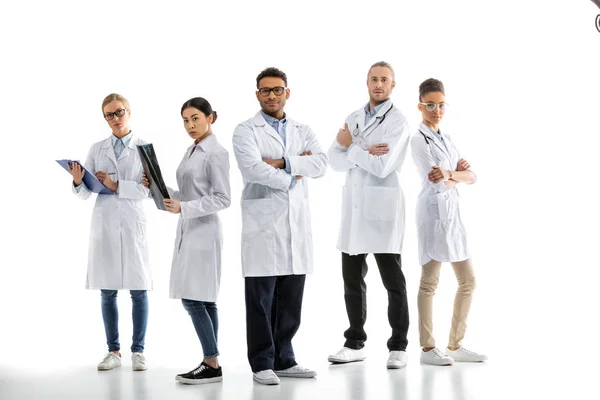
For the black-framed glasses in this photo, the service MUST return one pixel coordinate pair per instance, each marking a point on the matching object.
(119, 113)
(432, 106)
(278, 90)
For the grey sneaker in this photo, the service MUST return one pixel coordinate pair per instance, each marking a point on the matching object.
(138, 362)
(266, 377)
(110, 361)
(397, 359)
(296, 372)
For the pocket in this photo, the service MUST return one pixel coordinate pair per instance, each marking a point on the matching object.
(257, 215)
(441, 206)
(380, 203)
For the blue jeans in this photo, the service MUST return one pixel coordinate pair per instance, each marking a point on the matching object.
(206, 321)
(110, 314)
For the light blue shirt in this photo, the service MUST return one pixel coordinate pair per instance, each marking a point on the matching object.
(280, 126)
(373, 112)
(120, 144)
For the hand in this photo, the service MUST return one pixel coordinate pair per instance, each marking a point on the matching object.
(463, 165)
(298, 177)
(306, 153)
(104, 179)
(173, 206)
(77, 171)
(344, 137)
(145, 181)
(437, 174)
(378, 149)
(274, 162)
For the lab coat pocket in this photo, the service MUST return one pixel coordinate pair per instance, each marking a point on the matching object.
(257, 215)
(440, 206)
(258, 243)
(380, 203)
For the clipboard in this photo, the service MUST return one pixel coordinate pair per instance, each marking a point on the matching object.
(89, 179)
(158, 189)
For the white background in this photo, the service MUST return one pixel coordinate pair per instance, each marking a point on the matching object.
(522, 82)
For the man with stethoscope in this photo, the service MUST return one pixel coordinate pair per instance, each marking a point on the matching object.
(371, 150)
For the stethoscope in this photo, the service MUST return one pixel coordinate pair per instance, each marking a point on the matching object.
(429, 144)
(356, 131)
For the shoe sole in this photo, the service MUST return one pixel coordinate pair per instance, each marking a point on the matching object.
(395, 366)
(200, 381)
(107, 369)
(139, 368)
(266, 381)
(288, 375)
(342, 361)
(437, 365)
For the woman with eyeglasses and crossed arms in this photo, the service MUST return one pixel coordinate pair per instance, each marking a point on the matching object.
(204, 190)
(118, 250)
(441, 234)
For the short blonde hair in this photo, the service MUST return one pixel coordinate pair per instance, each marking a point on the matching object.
(114, 97)
(383, 64)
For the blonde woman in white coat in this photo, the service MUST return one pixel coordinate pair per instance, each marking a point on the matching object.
(441, 232)
(118, 250)
(203, 181)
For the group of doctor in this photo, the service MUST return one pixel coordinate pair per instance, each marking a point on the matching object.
(276, 155)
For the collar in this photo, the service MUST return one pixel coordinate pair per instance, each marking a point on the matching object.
(125, 139)
(206, 143)
(375, 110)
(272, 121)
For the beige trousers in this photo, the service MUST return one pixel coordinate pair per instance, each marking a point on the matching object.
(462, 302)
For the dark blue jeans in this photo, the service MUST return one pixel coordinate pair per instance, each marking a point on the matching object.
(273, 311)
(206, 321)
(110, 314)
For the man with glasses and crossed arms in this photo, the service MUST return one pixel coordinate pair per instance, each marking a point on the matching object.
(373, 213)
(275, 155)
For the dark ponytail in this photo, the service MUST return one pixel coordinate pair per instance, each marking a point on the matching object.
(201, 104)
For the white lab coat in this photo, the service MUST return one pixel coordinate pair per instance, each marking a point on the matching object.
(203, 181)
(276, 226)
(118, 249)
(372, 199)
(442, 236)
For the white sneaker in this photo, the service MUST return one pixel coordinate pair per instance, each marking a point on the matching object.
(397, 359)
(266, 377)
(435, 357)
(346, 355)
(296, 372)
(463, 355)
(138, 362)
(110, 361)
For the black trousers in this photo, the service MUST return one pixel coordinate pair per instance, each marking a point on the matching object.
(354, 270)
(273, 311)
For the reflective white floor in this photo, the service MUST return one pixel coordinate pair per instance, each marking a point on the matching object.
(365, 380)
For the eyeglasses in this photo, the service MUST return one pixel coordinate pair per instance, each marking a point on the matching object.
(432, 106)
(278, 90)
(119, 113)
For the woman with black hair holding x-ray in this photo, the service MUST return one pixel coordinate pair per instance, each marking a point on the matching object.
(441, 234)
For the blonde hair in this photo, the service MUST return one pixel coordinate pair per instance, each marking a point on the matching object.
(384, 64)
(114, 97)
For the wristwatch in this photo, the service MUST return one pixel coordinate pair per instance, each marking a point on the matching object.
(283, 158)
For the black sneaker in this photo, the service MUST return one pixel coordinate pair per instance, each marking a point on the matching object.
(178, 376)
(203, 374)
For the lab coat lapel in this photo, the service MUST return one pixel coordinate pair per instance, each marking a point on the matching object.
(110, 151)
(260, 121)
